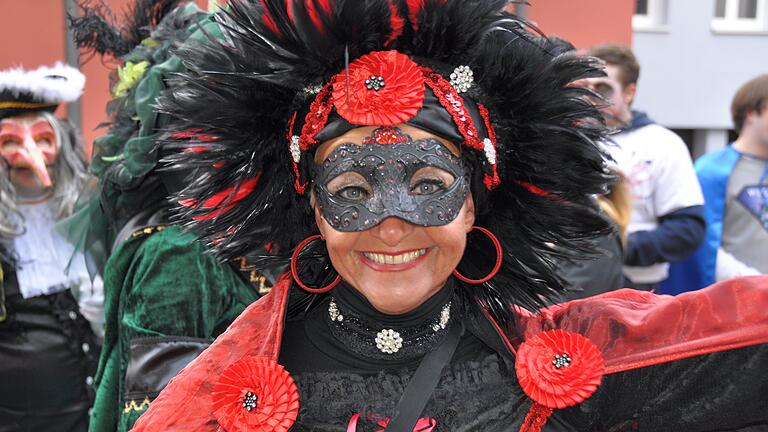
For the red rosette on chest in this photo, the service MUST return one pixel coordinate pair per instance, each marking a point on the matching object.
(385, 88)
(255, 394)
(558, 369)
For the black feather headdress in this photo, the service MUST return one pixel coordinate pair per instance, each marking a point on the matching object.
(96, 30)
(234, 108)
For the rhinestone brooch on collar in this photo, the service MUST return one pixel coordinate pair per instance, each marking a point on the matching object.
(390, 341)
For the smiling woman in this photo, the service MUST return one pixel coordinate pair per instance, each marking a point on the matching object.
(385, 208)
(422, 166)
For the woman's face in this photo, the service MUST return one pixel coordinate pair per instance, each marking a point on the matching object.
(394, 216)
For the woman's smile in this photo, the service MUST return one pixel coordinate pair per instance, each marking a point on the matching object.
(394, 261)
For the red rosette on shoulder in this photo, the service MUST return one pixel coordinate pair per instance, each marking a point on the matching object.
(385, 88)
(255, 394)
(558, 369)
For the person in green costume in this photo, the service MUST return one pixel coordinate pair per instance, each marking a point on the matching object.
(165, 300)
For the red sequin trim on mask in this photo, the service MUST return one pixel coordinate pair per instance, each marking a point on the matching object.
(387, 135)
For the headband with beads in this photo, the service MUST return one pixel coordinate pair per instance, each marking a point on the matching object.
(386, 88)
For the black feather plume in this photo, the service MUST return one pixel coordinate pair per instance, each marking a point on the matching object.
(243, 89)
(97, 29)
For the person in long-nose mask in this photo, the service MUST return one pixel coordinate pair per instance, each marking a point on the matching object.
(48, 349)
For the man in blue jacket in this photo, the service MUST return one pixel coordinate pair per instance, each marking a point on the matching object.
(735, 185)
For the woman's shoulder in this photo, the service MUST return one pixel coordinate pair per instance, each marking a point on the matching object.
(633, 328)
(185, 404)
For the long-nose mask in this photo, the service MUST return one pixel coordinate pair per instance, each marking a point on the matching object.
(29, 143)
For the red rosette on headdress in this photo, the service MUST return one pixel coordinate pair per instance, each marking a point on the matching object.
(385, 88)
(255, 394)
(558, 369)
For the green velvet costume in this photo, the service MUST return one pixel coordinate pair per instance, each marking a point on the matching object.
(165, 299)
(158, 285)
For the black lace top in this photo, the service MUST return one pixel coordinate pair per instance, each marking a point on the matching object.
(338, 375)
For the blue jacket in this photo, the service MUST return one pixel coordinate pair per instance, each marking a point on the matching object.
(698, 271)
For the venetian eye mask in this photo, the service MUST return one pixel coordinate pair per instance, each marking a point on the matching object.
(422, 182)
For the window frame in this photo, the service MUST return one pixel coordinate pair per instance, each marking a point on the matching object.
(731, 23)
(653, 21)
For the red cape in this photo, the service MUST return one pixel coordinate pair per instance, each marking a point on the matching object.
(631, 328)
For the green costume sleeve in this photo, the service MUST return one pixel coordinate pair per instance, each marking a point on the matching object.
(156, 285)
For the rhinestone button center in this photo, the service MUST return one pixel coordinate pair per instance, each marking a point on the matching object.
(561, 360)
(250, 401)
(374, 82)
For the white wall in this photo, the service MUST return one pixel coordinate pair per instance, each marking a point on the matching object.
(688, 73)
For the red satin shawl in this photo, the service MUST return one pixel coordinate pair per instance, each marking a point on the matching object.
(631, 328)
(634, 329)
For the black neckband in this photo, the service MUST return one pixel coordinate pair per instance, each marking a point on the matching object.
(351, 299)
(375, 336)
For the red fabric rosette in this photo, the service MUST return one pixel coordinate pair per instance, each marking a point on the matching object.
(399, 99)
(579, 373)
(266, 386)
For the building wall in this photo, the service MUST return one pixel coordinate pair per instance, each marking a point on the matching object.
(584, 22)
(33, 34)
(689, 74)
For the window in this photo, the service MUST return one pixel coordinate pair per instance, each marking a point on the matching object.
(650, 15)
(735, 16)
(642, 7)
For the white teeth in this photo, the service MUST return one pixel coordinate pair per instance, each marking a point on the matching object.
(394, 259)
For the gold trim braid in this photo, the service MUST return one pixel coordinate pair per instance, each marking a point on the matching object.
(147, 231)
(133, 406)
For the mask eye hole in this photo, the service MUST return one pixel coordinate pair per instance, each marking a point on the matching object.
(430, 180)
(350, 186)
(44, 141)
(353, 193)
(10, 143)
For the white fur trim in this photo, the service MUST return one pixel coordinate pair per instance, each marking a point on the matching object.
(39, 83)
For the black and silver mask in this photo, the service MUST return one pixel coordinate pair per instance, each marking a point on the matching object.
(421, 182)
